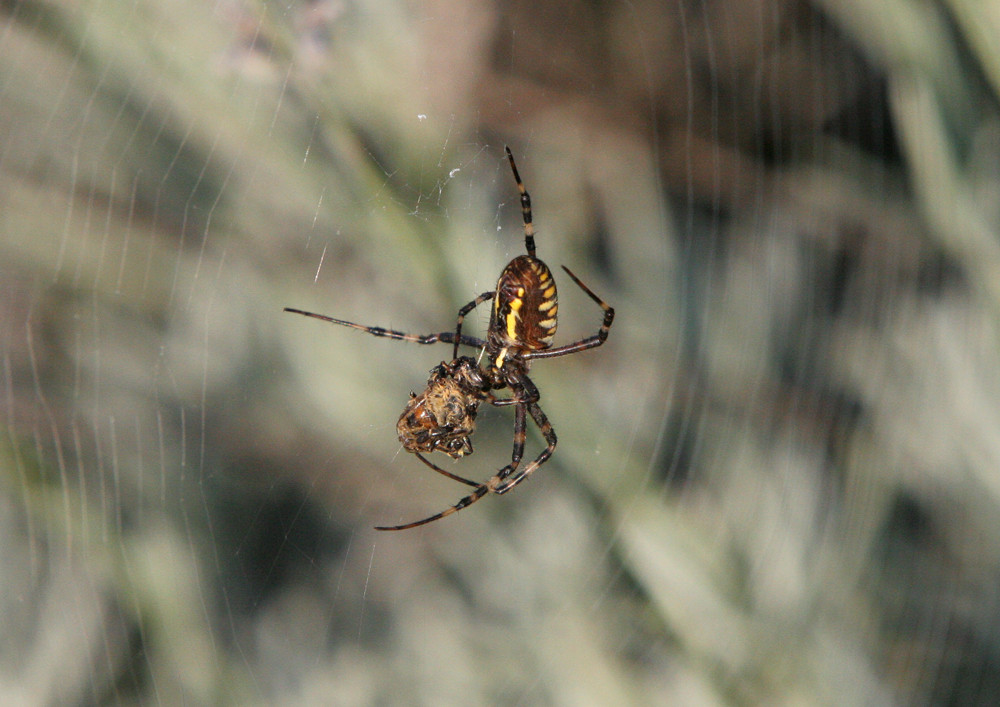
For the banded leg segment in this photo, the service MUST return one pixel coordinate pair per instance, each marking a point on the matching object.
(520, 436)
(529, 228)
(467, 501)
(529, 393)
(550, 438)
(461, 316)
(446, 337)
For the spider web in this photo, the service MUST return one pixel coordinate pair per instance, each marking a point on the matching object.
(776, 482)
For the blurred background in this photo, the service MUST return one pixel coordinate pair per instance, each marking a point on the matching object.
(778, 483)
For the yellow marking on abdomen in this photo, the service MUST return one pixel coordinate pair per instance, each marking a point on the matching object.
(513, 316)
(546, 305)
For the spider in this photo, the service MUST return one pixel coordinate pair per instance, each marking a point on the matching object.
(522, 325)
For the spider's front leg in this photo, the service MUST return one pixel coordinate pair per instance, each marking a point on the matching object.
(550, 439)
(525, 396)
(520, 435)
(467, 501)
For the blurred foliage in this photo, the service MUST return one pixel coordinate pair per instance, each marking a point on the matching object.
(776, 484)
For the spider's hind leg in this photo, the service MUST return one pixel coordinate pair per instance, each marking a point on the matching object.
(529, 228)
(446, 337)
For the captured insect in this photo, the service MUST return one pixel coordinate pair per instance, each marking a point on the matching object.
(522, 325)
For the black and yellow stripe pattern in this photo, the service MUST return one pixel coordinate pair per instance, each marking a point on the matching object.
(525, 310)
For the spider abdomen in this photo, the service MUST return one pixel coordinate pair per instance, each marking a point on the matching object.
(525, 307)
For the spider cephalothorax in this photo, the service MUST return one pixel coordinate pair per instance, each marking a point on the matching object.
(522, 326)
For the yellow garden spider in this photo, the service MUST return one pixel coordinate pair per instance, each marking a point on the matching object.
(522, 324)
